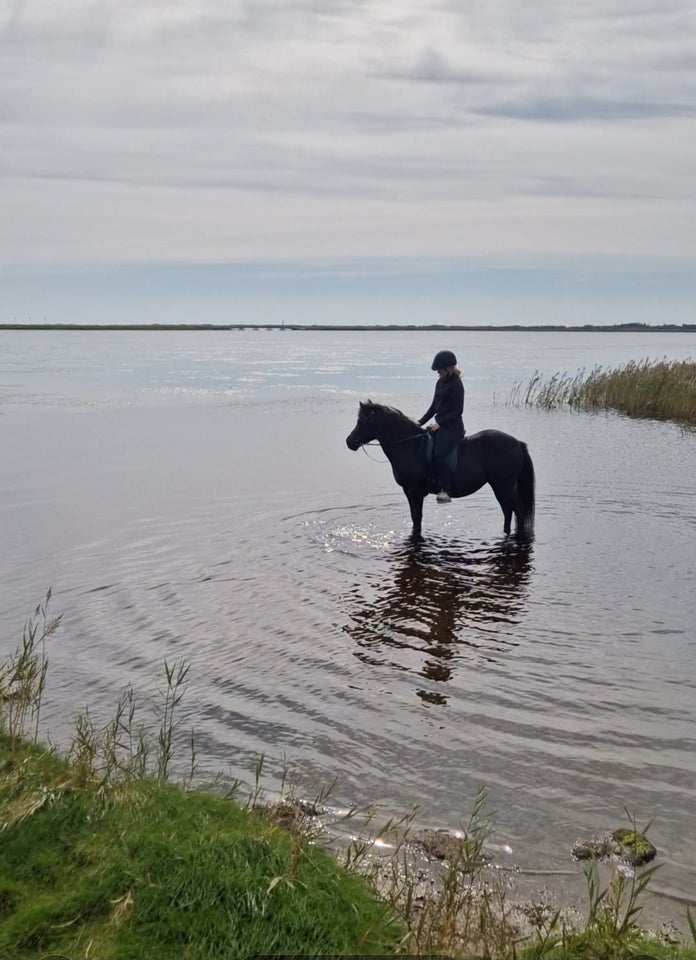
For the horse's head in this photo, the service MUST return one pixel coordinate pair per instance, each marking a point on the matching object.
(364, 430)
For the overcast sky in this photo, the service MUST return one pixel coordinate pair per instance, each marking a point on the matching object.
(347, 161)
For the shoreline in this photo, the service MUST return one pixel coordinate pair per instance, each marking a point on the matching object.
(381, 328)
(103, 854)
(138, 862)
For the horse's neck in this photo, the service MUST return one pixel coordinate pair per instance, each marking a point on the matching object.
(399, 431)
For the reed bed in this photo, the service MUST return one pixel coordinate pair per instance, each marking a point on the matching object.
(655, 389)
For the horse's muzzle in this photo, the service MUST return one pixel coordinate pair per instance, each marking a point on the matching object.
(353, 442)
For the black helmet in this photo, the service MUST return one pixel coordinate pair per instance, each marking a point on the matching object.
(445, 358)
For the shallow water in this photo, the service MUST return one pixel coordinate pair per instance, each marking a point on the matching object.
(191, 494)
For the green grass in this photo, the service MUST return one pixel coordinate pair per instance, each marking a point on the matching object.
(145, 869)
(657, 389)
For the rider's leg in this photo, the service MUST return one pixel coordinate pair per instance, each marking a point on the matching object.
(445, 442)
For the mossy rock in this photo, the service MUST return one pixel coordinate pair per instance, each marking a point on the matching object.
(635, 846)
(625, 844)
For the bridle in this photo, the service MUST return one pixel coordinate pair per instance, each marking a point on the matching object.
(376, 443)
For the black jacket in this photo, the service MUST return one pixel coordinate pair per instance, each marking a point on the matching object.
(448, 402)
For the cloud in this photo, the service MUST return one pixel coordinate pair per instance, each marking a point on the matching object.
(615, 63)
(573, 107)
(233, 130)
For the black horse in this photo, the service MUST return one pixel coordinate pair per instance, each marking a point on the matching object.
(487, 457)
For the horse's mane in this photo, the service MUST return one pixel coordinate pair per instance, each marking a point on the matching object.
(382, 408)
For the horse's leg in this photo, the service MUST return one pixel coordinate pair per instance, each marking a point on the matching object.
(520, 515)
(415, 502)
(505, 495)
(515, 505)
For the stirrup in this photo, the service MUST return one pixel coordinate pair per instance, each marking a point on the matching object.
(443, 497)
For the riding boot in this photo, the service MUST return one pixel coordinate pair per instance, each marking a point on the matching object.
(445, 486)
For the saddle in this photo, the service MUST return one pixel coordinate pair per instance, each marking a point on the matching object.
(428, 447)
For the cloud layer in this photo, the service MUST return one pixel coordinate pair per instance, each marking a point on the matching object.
(223, 131)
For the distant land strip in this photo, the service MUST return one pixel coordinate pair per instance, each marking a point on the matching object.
(397, 328)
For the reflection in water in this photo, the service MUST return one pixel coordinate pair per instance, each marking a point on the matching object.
(435, 602)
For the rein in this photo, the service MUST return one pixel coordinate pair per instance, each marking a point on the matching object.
(372, 443)
(376, 443)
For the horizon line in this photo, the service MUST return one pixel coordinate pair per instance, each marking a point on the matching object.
(426, 328)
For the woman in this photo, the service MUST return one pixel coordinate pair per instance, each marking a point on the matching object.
(447, 408)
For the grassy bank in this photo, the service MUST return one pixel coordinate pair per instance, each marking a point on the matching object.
(147, 869)
(102, 856)
(658, 389)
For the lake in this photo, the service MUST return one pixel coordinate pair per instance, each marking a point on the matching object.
(190, 494)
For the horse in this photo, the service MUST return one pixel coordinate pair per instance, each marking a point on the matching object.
(490, 456)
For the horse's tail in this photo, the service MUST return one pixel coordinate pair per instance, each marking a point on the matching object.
(525, 489)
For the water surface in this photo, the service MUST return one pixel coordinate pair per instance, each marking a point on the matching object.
(191, 495)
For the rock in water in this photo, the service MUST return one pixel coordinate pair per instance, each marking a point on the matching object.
(629, 845)
(635, 846)
(598, 848)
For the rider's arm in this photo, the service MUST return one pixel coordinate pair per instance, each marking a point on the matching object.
(429, 412)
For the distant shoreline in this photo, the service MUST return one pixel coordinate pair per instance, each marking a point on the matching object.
(389, 328)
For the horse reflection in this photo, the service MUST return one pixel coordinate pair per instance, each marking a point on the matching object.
(440, 602)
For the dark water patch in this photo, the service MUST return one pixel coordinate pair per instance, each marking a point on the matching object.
(432, 605)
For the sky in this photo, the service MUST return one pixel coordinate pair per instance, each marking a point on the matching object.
(348, 161)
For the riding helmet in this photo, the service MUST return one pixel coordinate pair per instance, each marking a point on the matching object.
(445, 358)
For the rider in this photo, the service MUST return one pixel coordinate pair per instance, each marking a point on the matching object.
(447, 408)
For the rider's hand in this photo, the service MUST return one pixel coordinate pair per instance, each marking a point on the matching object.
(433, 427)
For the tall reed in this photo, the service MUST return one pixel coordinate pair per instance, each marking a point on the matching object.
(120, 749)
(657, 389)
(23, 676)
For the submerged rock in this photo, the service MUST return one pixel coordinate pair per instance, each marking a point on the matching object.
(448, 847)
(597, 848)
(294, 814)
(439, 844)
